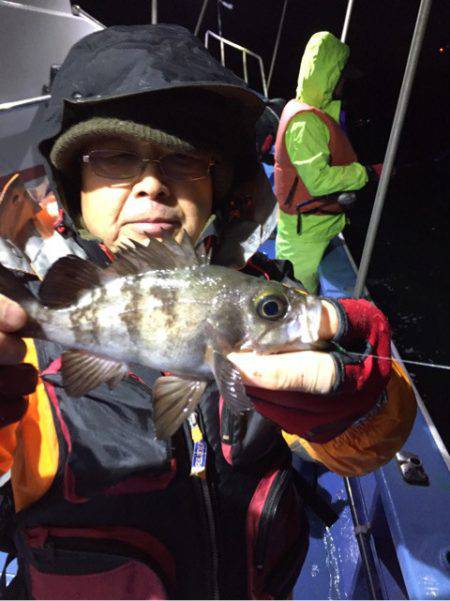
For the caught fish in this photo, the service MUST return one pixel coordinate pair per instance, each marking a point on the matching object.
(163, 306)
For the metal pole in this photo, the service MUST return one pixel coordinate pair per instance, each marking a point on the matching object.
(400, 111)
(277, 43)
(219, 27)
(348, 15)
(201, 16)
(244, 66)
(154, 11)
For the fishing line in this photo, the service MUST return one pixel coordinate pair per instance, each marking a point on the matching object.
(420, 363)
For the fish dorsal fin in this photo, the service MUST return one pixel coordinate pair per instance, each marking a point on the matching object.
(167, 254)
(67, 279)
(184, 251)
(174, 399)
(82, 371)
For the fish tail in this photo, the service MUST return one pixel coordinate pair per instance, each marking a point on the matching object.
(13, 288)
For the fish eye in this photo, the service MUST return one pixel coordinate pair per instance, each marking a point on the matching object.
(272, 307)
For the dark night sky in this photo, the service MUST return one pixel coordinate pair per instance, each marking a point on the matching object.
(379, 38)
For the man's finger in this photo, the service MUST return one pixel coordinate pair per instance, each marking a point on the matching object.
(329, 321)
(305, 371)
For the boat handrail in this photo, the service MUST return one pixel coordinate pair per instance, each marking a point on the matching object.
(245, 52)
(201, 16)
(8, 106)
(391, 150)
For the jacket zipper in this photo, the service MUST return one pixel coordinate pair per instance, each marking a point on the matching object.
(212, 535)
(267, 516)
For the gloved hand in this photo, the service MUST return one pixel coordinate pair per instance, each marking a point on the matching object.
(317, 395)
(16, 380)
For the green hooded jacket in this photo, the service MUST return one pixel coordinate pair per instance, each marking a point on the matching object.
(307, 136)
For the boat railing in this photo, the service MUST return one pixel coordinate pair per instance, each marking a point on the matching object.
(8, 106)
(245, 52)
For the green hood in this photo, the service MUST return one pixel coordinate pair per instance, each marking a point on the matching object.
(322, 64)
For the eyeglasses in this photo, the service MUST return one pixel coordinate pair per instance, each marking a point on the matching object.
(119, 164)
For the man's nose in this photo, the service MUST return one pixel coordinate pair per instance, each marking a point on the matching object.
(151, 183)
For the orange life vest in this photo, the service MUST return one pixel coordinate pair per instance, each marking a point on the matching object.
(290, 190)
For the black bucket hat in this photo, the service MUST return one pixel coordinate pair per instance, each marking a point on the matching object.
(160, 76)
(163, 78)
(123, 61)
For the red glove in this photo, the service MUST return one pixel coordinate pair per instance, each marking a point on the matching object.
(362, 380)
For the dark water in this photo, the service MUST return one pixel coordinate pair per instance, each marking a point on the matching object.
(409, 277)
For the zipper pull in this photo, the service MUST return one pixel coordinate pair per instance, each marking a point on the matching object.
(199, 452)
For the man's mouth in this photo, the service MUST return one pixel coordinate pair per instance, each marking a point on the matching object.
(154, 227)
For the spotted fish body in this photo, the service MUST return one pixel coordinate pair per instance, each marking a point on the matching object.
(159, 319)
(164, 307)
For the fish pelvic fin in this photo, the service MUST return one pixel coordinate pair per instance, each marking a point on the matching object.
(230, 384)
(13, 288)
(82, 371)
(174, 399)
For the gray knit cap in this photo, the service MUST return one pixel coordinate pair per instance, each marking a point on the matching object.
(68, 147)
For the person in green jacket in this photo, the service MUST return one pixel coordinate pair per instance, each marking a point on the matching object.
(314, 160)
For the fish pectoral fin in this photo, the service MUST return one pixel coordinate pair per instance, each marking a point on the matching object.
(82, 371)
(230, 384)
(174, 399)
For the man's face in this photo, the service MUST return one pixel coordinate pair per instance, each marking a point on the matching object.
(149, 205)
